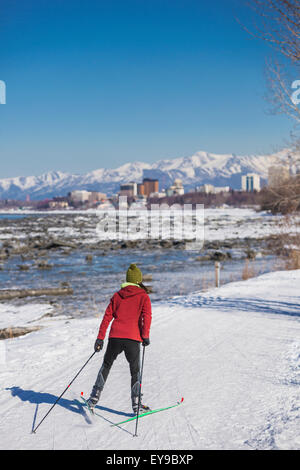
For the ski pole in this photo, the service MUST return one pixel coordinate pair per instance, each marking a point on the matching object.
(34, 430)
(140, 394)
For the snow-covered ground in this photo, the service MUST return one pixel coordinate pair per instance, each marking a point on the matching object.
(233, 353)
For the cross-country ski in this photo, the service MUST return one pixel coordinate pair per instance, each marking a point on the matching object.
(145, 411)
(149, 412)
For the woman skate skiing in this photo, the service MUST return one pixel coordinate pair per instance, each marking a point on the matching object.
(130, 310)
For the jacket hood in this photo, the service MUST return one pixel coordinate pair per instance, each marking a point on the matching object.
(129, 291)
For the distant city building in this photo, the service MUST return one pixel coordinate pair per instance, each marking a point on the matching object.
(79, 196)
(211, 189)
(278, 174)
(58, 205)
(140, 189)
(176, 188)
(158, 194)
(206, 188)
(128, 189)
(250, 182)
(86, 196)
(95, 196)
(150, 186)
(222, 189)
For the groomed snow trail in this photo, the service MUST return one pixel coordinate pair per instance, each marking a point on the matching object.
(233, 353)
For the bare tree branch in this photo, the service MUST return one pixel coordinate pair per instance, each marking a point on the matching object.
(279, 25)
(280, 88)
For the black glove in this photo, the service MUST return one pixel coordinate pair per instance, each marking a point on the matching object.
(98, 345)
(146, 341)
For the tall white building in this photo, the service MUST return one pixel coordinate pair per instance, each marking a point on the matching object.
(250, 182)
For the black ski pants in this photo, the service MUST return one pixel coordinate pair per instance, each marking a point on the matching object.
(131, 349)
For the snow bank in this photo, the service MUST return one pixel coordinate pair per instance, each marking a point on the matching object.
(11, 315)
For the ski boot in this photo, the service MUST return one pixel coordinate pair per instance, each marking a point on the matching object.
(135, 406)
(94, 398)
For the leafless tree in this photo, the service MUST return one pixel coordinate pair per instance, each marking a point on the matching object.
(280, 92)
(278, 23)
(283, 198)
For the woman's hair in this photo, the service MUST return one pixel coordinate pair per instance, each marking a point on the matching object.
(144, 287)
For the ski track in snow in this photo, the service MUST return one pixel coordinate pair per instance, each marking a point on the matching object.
(233, 353)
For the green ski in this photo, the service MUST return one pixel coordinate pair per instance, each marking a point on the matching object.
(149, 413)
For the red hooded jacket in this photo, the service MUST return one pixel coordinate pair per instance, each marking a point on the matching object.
(130, 309)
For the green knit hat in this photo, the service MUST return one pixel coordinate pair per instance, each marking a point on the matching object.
(134, 274)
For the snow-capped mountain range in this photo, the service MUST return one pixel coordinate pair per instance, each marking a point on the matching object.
(202, 167)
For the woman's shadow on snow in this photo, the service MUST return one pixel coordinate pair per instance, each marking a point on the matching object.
(74, 406)
(38, 397)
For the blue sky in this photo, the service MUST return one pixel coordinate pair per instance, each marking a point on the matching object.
(95, 84)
